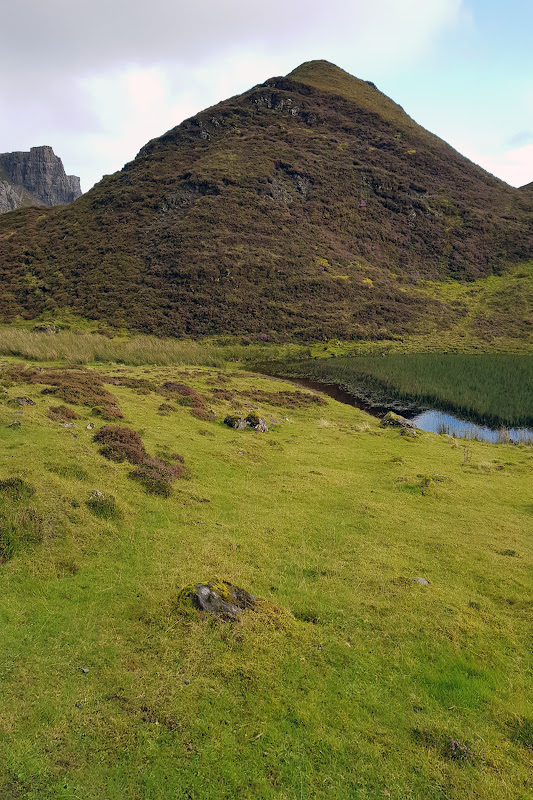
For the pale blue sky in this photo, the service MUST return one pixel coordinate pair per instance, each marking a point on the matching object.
(98, 80)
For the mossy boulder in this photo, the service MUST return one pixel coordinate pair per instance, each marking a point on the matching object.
(396, 421)
(217, 597)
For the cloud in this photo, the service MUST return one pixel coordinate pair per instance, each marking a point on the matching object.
(521, 138)
(106, 75)
(514, 166)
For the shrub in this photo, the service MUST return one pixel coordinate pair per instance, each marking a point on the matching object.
(201, 413)
(119, 443)
(108, 412)
(156, 475)
(62, 413)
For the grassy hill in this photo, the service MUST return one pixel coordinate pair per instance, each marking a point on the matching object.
(309, 207)
(353, 681)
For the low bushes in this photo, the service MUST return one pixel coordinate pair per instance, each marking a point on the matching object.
(156, 475)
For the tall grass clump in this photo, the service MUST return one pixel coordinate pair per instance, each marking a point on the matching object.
(94, 348)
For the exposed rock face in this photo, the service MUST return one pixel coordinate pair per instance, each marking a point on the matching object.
(35, 178)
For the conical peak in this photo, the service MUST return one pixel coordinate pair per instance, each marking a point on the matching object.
(327, 77)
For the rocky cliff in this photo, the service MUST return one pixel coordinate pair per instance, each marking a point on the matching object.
(35, 178)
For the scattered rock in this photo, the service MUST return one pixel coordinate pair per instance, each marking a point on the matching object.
(67, 424)
(235, 422)
(96, 495)
(252, 421)
(90, 426)
(16, 423)
(257, 423)
(413, 434)
(48, 329)
(85, 670)
(22, 401)
(396, 421)
(186, 682)
(422, 581)
(217, 597)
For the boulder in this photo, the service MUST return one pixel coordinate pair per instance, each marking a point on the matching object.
(217, 597)
(396, 421)
(235, 422)
(257, 423)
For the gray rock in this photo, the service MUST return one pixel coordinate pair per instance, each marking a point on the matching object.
(48, 329)
(217, 597)
(23, 401)
(237, 423)
(90, 426)
(396, 421)
(422, 581)
(35, 178)
(85, 670)
(15, 424)
(97, 495)
(257, 423)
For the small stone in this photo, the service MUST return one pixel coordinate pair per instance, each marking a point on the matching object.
(67, 424)
(421, 581)
(23, 401)
(97, 495)
(90, 426)
(85, 670)
(15, 423)
(78, 705)
(186, 682)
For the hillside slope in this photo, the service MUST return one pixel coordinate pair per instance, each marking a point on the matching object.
(308, 206)
(352, 680)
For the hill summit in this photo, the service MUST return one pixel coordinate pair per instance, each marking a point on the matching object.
(309, 206)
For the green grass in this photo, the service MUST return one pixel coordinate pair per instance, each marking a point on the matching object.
(490, 388)
(356, 692)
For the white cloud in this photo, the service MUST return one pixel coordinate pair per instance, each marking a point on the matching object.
(514, 166)
(112, 73)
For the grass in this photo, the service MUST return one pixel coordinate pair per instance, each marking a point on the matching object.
(369, 685)
(493, 389)
(79, 347)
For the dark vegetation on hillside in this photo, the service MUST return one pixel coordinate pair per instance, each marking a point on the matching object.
(309, 206)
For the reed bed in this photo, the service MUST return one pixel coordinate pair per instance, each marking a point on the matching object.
(494, 389)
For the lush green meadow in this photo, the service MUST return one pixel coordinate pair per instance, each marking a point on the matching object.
(363, 684)
(492, 388)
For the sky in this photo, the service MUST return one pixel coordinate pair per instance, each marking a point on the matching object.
(97, 80)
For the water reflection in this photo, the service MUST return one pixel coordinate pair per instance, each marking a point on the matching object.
(432, 421)
(441, 422)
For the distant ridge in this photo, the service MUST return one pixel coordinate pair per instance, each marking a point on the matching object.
(310, 206)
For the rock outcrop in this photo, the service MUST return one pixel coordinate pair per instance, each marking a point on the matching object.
(35, 178)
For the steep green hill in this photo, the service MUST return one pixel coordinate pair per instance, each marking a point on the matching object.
(309, 206)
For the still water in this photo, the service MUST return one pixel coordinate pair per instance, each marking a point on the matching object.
(432, 421)
(442, 422)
